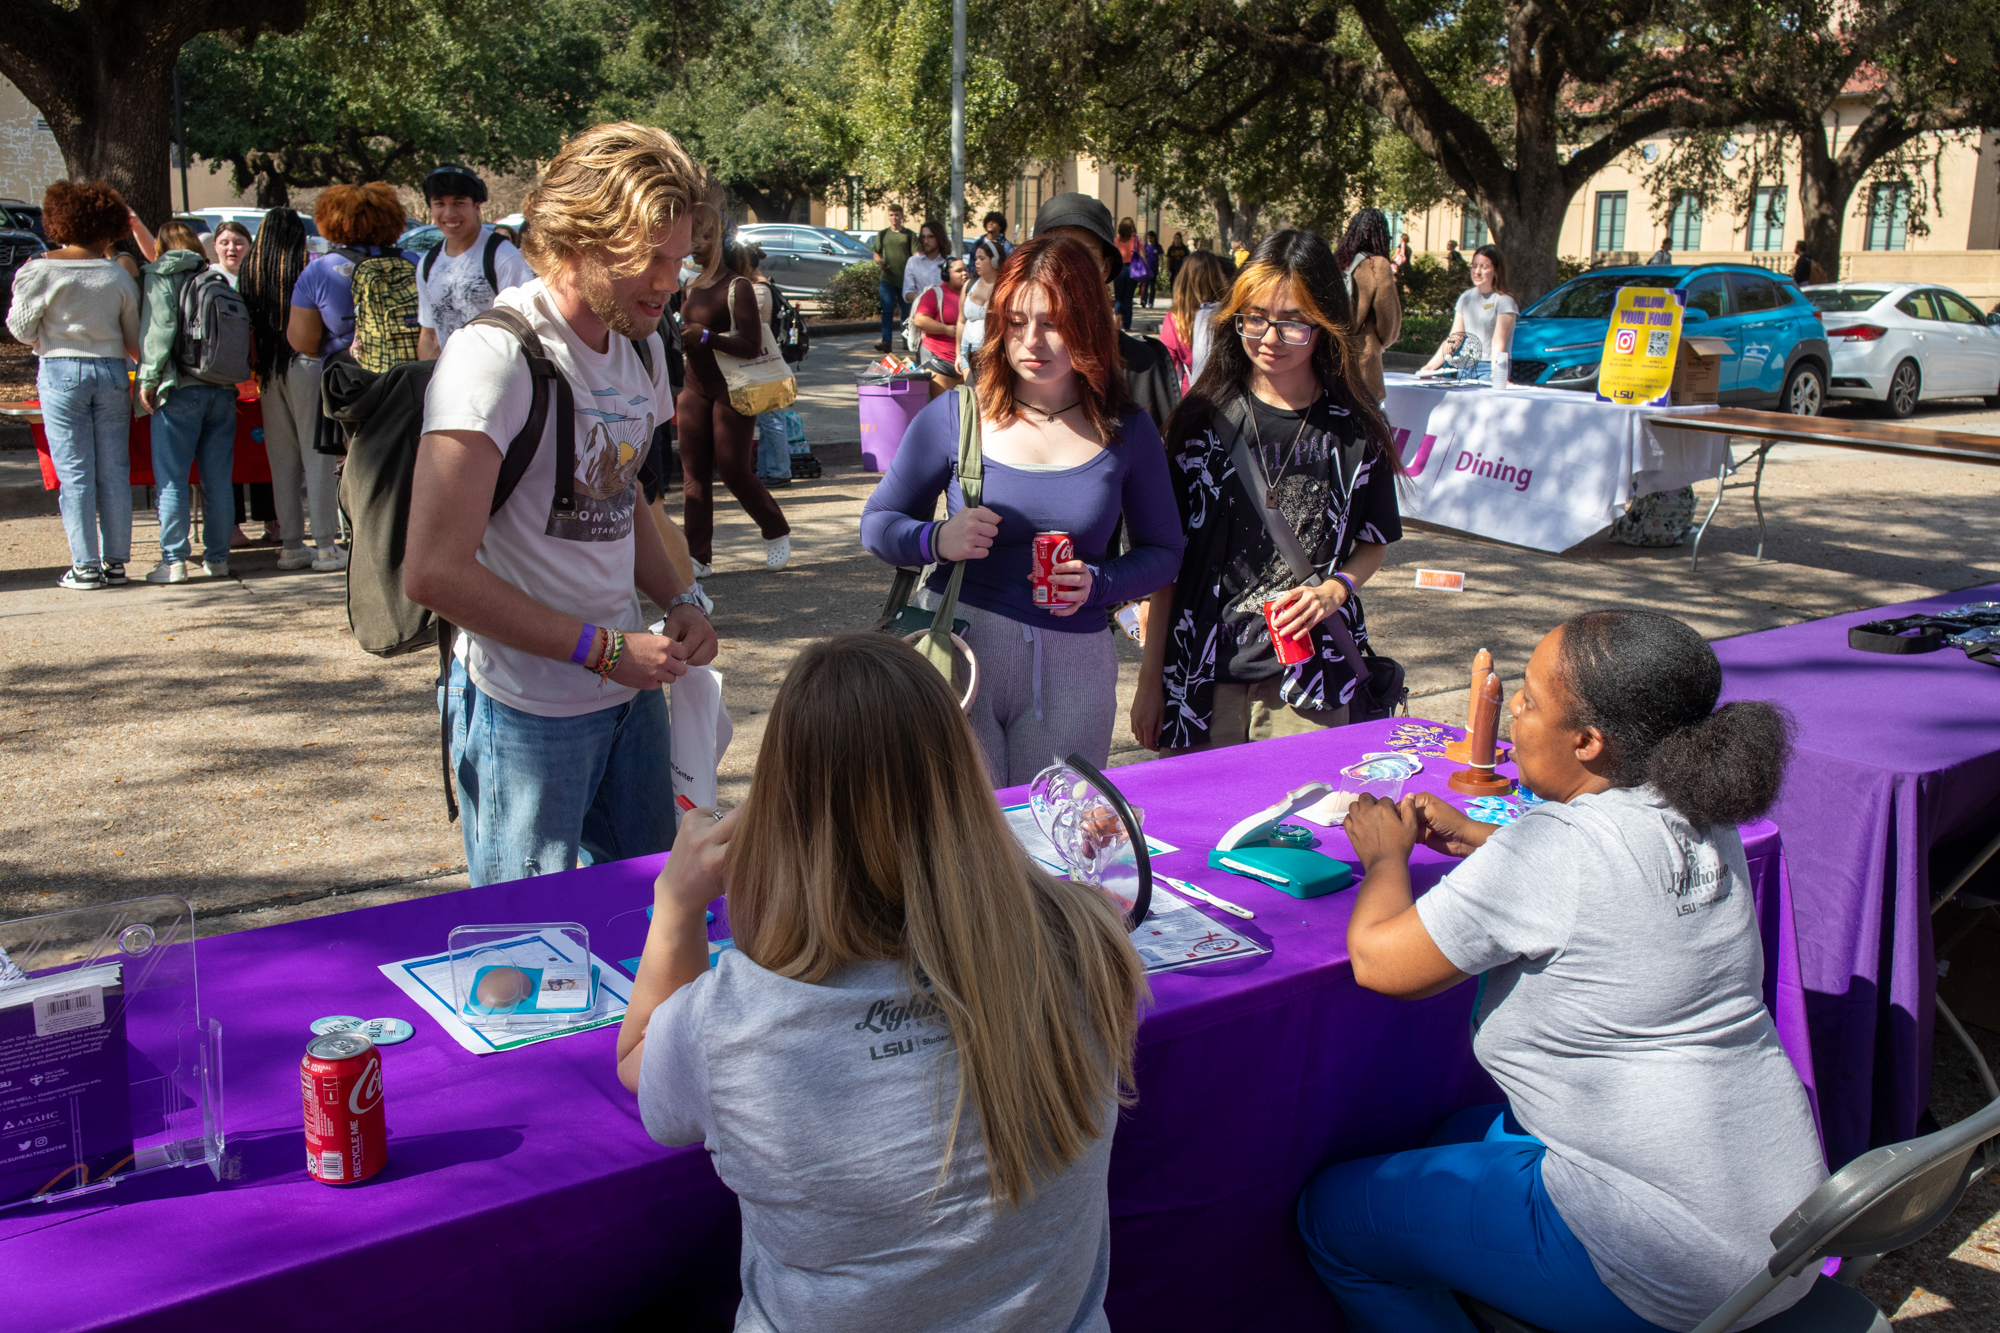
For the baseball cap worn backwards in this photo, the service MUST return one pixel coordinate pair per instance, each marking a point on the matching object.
(1078, 210)
(451, 178)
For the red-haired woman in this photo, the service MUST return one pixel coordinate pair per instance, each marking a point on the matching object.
(1287, 381)
(1064, 450)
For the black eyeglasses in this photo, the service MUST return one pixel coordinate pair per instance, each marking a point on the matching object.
(1292, 331)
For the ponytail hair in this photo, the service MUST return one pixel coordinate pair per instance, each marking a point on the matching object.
(1648, 684)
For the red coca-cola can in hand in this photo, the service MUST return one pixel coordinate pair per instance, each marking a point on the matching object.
(1050, 549)
(1291, 651)
(340, 1081)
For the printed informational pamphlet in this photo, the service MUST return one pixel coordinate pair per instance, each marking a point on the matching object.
(65, 1092)
(1175, 935)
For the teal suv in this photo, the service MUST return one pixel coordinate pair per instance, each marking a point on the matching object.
(1778, 355)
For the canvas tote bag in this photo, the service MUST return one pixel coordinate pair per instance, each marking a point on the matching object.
(760, 383)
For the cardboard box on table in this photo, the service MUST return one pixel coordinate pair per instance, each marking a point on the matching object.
(1698, 370)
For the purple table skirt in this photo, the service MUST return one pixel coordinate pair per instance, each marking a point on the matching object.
(522, 1192)
(1895, 754)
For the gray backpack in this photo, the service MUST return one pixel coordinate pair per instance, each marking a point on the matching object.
(213, 344)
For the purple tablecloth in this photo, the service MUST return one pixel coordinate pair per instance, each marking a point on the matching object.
(1894, 755)
(522, 1192)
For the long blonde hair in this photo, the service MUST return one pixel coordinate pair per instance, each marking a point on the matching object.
(610, 187)
(870, 833)
(1204, 277)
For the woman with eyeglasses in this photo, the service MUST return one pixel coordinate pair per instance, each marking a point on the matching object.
(1486, 312)
(1284, 381)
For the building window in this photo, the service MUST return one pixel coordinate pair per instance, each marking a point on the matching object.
(1888, 217)
(1767, 218)
(1684, 227)
(1472, 231)
(1610, 220)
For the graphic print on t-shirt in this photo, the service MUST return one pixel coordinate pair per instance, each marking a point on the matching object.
(612, 439)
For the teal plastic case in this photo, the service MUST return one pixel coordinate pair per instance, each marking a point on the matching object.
(1300, 873)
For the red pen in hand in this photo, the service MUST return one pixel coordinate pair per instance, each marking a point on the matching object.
(688, 806)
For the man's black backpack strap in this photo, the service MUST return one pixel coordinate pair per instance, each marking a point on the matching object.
(521, 449)
(447, 635)
(487, 261)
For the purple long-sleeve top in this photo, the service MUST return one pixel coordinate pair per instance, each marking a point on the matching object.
(1129, 476)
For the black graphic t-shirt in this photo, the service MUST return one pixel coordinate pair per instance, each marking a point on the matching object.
(1232, 567)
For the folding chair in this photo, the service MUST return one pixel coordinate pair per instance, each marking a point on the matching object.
(1880, 1201)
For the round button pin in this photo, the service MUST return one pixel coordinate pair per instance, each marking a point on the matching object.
(334, 1023)
(387, 1031)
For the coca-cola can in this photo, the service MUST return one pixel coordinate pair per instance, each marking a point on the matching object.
(1291, 651)
(340, 1081)
(1050, 549)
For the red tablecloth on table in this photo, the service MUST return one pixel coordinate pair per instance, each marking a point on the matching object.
(522, 1192)
(252, 463)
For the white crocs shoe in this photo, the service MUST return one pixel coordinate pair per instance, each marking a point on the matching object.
(778, 554)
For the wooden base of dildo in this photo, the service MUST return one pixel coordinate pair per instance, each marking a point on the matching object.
(1461, 751)
(1479, 782)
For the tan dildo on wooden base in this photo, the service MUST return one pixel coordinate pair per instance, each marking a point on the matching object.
(1483, 726)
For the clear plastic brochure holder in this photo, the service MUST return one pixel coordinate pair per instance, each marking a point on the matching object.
(1096, 832)
(523, 980)
(107, 1067)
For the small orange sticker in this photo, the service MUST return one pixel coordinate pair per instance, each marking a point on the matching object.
(1441, 580)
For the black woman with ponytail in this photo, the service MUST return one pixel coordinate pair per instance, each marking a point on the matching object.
(1654, 1132)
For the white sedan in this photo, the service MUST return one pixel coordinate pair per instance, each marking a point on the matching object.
(1900, 343)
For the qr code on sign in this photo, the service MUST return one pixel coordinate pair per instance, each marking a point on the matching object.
(1656, 342)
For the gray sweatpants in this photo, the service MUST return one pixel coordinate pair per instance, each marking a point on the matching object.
(1043, 694)
(291, 415)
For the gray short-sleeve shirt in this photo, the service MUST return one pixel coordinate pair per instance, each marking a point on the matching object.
(824, 1108)
(1622, 1012)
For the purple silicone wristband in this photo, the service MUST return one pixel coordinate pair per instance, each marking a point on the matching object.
(924, 542)
(583, 642)
(1351, 589)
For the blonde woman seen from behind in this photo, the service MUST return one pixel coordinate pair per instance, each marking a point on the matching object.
(1203, 282)
(910, 1066)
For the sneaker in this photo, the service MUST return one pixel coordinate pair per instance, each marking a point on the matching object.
(82, 578)
(218, 569)
(169, 571)
(331, 560)
(778, 554)
(773, 483)
(701, 571)
(114, 573)
(881, 347)
(294, 557)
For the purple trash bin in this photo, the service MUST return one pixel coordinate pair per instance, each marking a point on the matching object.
(886, 412)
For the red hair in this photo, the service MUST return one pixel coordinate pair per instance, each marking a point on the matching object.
(1072, 282)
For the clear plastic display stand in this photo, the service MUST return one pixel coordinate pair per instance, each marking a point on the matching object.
(523, 980)
(107, 1067)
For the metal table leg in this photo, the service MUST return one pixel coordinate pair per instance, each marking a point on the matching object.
(1722, 483)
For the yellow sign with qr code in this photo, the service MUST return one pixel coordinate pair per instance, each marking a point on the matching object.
(1637, 369)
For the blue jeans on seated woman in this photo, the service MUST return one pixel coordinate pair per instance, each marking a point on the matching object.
(542, 794)
(87, 415)
(1394, 1236)
(195, 425)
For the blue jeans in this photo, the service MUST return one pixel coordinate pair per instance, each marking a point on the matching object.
(1122, 287)
(195, 424)
(87, 414)
(774, 447)
(541, 794)
(895, 309)
(1394, 1236)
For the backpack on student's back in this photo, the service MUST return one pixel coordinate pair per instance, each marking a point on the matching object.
(788, 326)
(213, 342)
(489, 262)
(385, 310)
(383, 419)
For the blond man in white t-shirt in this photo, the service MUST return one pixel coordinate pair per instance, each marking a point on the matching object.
(559, 727)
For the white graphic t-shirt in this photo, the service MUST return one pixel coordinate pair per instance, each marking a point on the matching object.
(581, 563)
(456, 289)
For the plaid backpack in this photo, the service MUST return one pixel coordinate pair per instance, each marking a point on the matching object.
(385, 310)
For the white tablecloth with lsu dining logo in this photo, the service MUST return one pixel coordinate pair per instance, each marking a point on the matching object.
(1543, 468)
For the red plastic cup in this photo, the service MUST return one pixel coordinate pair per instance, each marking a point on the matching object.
(1291, 651)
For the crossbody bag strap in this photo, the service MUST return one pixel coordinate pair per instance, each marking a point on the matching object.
(936, 646)
(1895, 636)
(1250, 470)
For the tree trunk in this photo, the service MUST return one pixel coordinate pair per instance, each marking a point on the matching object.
(1824, 190)
(1225, 213)
(272, 191)
(126, 140)
(1528, 233)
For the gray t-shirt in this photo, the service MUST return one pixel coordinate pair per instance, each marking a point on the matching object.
(825, 1108)
(1622, 1012)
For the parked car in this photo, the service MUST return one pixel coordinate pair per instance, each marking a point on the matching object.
(1900, 343)
(17, 247)
(1778, 353)
(802, 259)
(251, 218)
(20, 215)
(420, 238)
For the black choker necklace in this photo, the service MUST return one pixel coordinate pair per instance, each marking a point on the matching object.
(1048, 416)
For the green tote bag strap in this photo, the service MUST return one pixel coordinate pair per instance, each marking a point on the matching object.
(936, 645)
